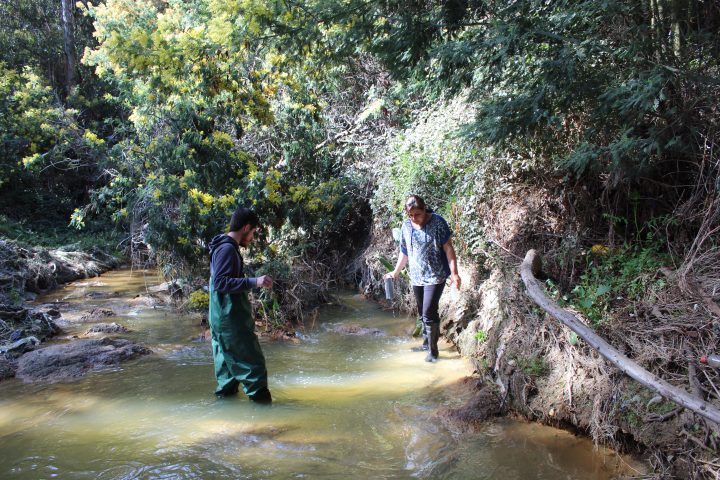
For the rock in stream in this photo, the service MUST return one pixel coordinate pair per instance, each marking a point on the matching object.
(58, 363)
(355, 329)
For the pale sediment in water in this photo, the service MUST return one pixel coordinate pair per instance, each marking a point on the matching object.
(345, 406)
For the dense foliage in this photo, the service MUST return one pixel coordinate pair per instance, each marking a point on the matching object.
(184, 109)
(618, 94)
(219, 118)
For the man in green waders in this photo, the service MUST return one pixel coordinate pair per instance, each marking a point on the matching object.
(236, 350)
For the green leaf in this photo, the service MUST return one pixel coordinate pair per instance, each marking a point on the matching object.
(386, 263)
(602, 290)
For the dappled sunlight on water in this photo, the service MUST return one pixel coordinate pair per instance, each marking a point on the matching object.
(358, 406)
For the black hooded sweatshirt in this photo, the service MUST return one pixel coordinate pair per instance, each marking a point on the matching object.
(226, 266)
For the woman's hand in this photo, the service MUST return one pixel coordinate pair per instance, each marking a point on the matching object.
(455, 280)
(401, 262)
(394, 275)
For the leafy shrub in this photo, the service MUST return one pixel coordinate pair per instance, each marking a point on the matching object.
(428, 159)
(198, 300)
(42, 144)
(628, 273)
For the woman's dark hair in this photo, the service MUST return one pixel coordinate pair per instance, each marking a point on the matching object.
(243, 216)
(416, 201)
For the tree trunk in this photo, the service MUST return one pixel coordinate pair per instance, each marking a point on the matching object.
(676, 29)
(655, 27)
(68, 23)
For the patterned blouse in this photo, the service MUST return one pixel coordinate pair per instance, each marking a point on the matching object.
(427, 261)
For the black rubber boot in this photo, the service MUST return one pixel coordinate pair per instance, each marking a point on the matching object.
(433, 337)
(262, 396)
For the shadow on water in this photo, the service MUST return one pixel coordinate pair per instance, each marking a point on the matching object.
(346, 405)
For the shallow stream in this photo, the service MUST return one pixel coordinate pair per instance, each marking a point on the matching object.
(346, 406)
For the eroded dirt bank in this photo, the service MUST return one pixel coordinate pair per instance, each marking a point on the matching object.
(36, 270)
(26, 272)
(538, 369)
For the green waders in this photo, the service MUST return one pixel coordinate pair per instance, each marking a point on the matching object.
(236, 350)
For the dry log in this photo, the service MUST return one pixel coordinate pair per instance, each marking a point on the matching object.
(616, 358)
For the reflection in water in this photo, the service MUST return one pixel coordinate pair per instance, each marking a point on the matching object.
(345, 406)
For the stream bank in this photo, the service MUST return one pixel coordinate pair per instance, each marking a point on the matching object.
(25, 273)
(28, 271)
(535, 368)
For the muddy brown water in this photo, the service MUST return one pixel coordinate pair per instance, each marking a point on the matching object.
(346, 406)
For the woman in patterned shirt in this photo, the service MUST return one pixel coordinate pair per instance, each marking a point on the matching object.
(426, 246)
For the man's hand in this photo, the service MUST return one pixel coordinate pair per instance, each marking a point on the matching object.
(264, 282)
(455, 280)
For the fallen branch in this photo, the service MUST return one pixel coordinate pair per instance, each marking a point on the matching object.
(656, 417)
(531, 266)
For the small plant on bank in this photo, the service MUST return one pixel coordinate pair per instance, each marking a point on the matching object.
(481, 336)
(389, 267)
(198, 300)
(638, 403)
(484, 364)
(632, 418)
(553, 291)
(533, 366)
(593, 301)
(269, 309)
(628, 273)
(15, 296)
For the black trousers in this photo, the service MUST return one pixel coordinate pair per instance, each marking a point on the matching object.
(428, 301)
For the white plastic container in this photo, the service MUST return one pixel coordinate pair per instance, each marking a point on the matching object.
(711, 360)
(389, 289)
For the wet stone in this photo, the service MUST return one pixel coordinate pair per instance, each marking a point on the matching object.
(17, 323)
(18, 347)
(53, 313)
(145, 300)
(97, 314)
(7, 368)
(354, 329)
(106, 328)
(12, 313)
(101, 294)
(17, 335)
(69, 361)
(472, 415)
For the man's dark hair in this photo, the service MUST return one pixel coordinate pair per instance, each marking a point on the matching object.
(243, 216)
